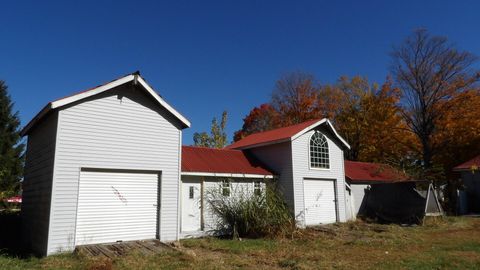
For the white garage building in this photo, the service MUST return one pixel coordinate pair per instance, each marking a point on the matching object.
(106, 165)
(102, 165)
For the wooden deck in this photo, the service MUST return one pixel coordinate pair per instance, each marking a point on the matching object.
(112, 250)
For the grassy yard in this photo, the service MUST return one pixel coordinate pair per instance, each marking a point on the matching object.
(449, 243)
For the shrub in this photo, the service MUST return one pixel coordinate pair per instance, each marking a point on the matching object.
(246, 214)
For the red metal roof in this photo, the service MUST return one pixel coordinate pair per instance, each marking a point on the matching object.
(469, 165)
(275, 135)
(372, 172)
(209, 160)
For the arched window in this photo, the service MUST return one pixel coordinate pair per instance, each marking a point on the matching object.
(319, 157)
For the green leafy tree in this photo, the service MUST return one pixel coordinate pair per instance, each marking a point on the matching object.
(217, 137)
(11, 145)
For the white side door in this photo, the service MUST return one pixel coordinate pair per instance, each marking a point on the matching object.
(191, 206)
(320, 202)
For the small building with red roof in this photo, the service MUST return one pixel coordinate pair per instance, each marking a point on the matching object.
(469, 195)
(360, 176)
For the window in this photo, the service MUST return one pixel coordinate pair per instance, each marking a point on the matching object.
(257, 188)
(226, 188)
(319, 157)
(191, 192)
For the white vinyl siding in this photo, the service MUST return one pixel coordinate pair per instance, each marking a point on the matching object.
(116, 206)
(119, 129)
(302, 171)
(37, 185)
(239, 186)
(278, 157)
(358, 191)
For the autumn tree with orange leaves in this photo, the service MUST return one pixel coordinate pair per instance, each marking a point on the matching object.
(434, 92)
(369, 119)
(426, 120)
(295, 98)
(261, 118)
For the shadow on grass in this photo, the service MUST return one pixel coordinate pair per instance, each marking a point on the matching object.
(11, 236)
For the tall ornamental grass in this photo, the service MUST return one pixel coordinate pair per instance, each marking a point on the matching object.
(245, 214)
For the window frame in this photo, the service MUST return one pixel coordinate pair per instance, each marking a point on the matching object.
(191, 192)
(257, 188)
(226, 187)
(310, 152)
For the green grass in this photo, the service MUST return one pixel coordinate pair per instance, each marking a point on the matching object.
(442, 243)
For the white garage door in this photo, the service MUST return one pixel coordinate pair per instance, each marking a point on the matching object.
(320, 201)
(116, 206)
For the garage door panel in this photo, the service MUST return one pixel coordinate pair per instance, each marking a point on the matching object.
(116, 206)
(320, 201)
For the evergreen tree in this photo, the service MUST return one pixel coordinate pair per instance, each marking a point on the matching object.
(11, 146)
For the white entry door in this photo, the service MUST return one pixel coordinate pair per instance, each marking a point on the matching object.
(320, 201)
(191, 204)
(116, 206)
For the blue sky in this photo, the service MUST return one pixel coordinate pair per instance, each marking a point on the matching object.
(204, 57)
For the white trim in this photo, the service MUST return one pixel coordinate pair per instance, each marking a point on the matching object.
(234, 175)
(348, 186)
(310, 157)
(35, 119)
(52, 192)
(92, 92)
(163, 103)
(179, 191)
(132, 77)
(324, 120)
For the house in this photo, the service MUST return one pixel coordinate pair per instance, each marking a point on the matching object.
(469, 197)
(107, 165)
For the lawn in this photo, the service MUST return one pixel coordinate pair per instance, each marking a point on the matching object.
(448, 243)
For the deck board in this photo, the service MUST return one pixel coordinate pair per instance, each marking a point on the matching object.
(112, 250)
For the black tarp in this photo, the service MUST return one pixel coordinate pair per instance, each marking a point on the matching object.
(399, 203)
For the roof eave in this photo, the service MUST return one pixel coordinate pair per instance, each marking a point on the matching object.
(35, 119)
(320, 122)
(234, 175)
(132, 77)
(261, 144)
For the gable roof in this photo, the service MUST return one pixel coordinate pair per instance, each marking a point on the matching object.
(469, 165)
(283, 134)
(209, 161)
(366, 172)
(134, 77)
